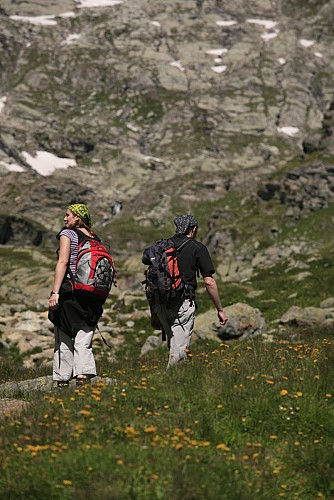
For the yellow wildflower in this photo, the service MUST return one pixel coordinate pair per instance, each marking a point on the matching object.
(85, 413)
(130, 430)
(222, 446)
(150, 428)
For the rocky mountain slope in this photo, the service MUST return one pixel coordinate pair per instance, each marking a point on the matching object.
(147, 109)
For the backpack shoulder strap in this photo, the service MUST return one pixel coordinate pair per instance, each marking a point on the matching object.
(182, 244)
(84, 237)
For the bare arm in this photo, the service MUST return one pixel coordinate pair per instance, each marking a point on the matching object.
(63, 259)
(212, 289)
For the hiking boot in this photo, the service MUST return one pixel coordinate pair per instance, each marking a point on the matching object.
(62, 384)
(82, 381)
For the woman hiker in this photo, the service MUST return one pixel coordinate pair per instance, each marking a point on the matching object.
(74, 316)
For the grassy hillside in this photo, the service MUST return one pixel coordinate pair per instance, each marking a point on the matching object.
(239, 421)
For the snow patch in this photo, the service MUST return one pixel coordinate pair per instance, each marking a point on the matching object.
(269, 36)
(263, 22)
(50, 20)
(318, 54)
(97, 3)
(306, 43)
(12, 167)
(226, 23)
(216, 52)
(67, 14)
(46, 163)
(2, 102)
(177, 64)
(219, 69)
(38, 20)
(281, 60)
(290, 131)
(155, 23)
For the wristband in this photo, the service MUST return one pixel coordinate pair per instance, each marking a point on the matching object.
(54, 293)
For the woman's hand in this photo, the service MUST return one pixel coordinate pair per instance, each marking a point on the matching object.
(54, 300)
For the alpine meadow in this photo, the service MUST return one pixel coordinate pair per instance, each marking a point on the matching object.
(144, 111)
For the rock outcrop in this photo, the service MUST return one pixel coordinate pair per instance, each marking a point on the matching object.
(308, 317)
(244, 321)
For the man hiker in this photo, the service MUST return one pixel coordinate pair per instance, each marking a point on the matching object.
(176, 311)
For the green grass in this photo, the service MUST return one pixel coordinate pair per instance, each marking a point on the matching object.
(20, 258)
(244, 420)
(12, 367)
(281, 290)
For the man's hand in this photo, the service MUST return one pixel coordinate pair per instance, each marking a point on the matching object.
(223, 319)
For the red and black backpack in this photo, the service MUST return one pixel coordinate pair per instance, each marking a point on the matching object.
(95, 271)
(163, 277)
